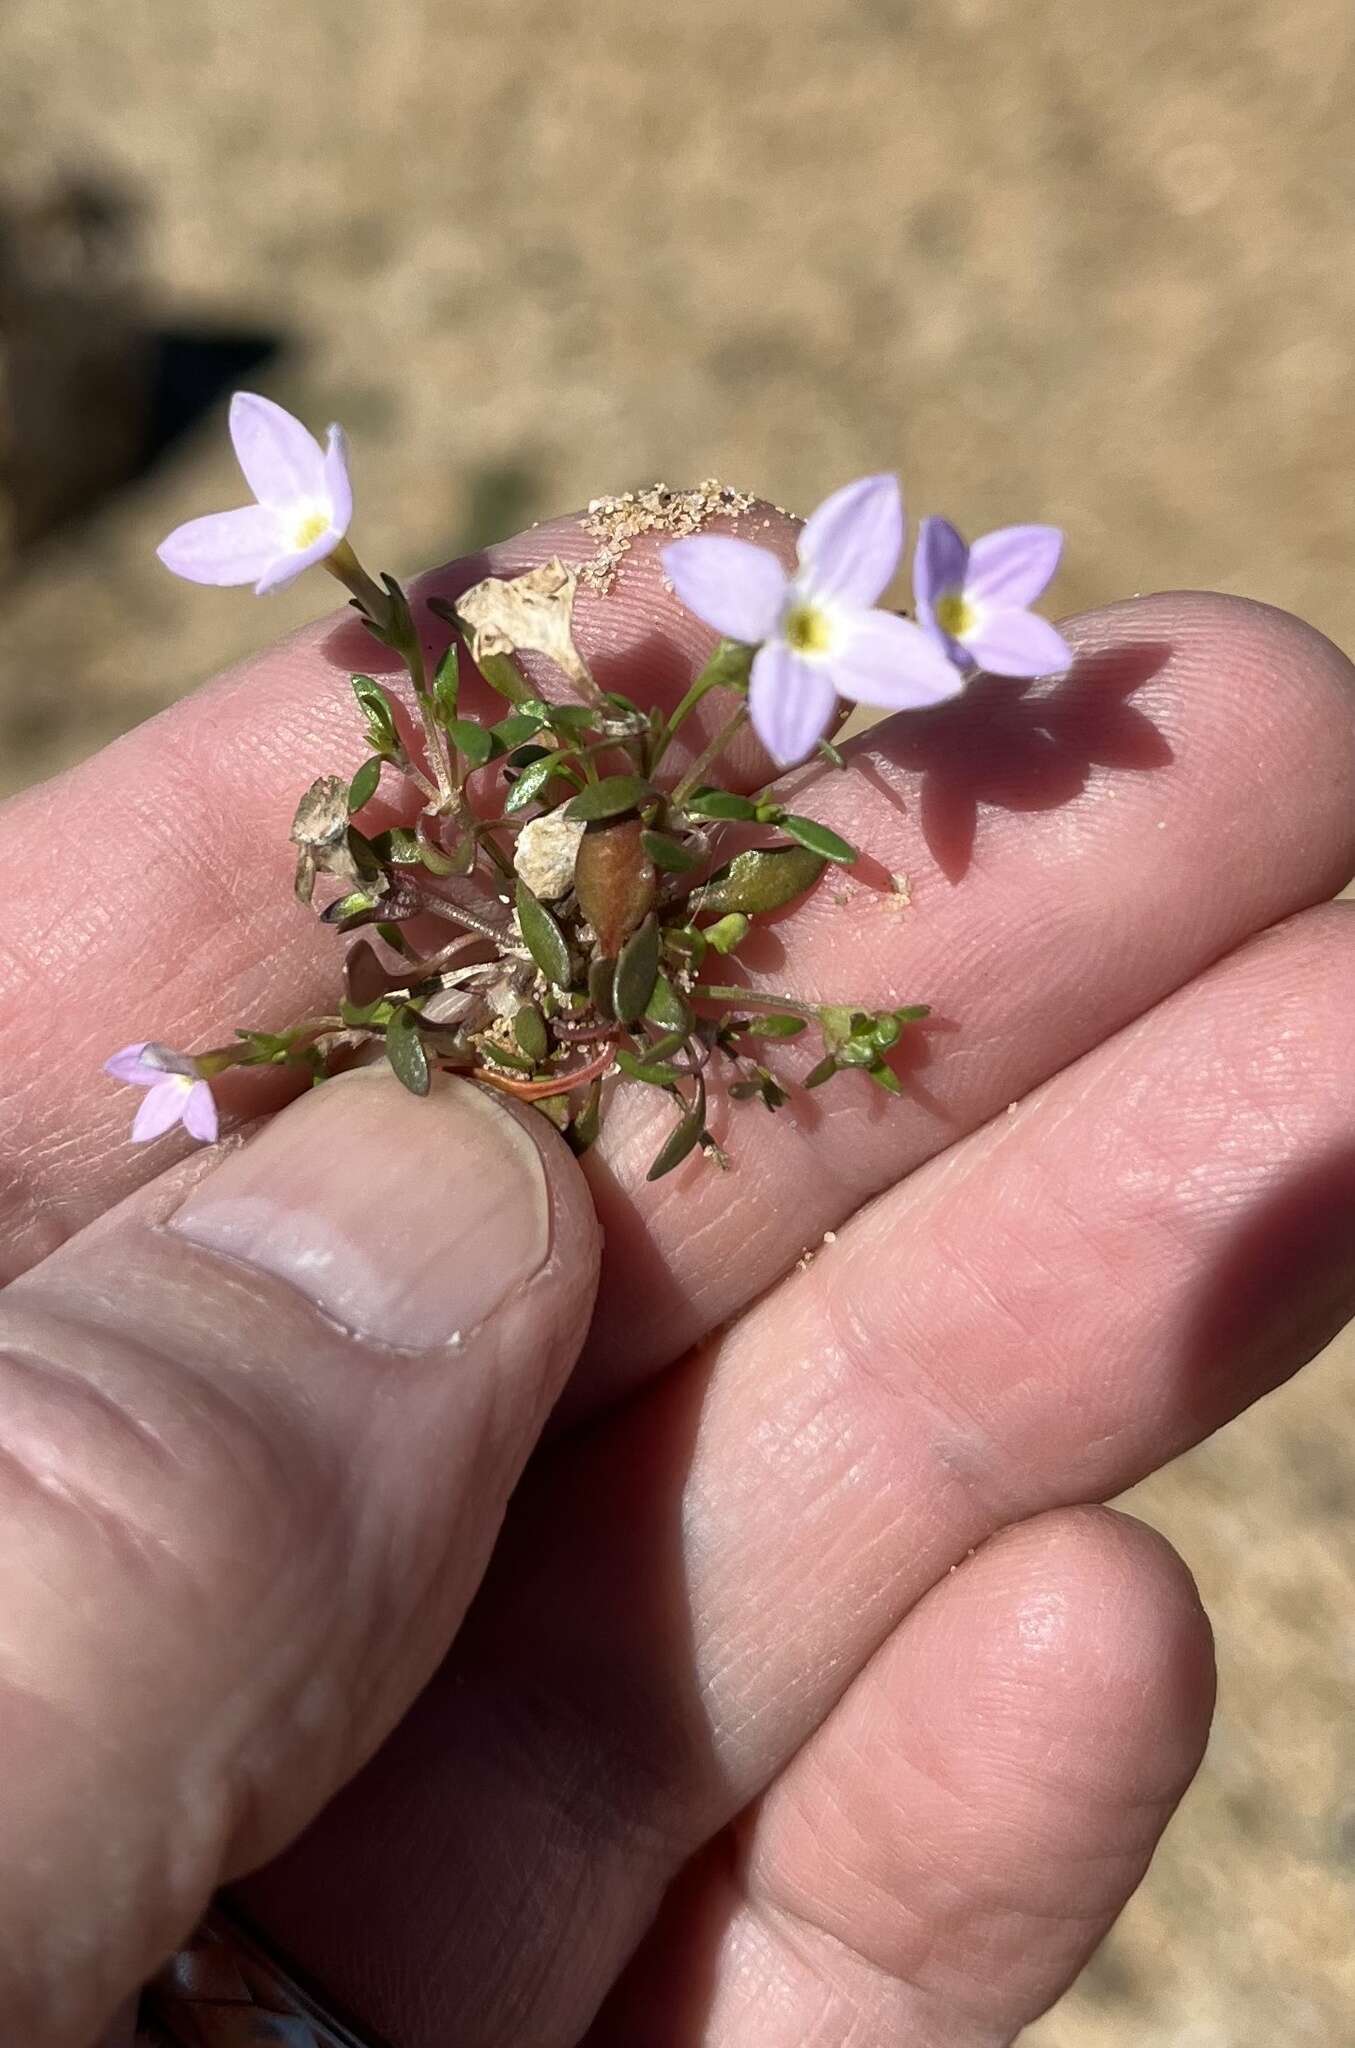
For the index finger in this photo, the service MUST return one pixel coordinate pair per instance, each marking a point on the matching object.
(156, 879)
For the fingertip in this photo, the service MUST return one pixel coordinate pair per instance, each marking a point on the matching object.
(1100, 1628)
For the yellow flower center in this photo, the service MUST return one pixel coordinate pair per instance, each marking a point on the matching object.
(310, 531)
(808, 630)
(955, 614)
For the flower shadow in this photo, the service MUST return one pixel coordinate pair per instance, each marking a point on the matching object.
(1026, 746)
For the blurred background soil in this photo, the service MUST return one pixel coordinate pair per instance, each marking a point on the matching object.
(1089, 263)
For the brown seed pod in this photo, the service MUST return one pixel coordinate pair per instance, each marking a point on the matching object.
(615, 882)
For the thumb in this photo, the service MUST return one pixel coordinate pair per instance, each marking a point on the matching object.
(258, 1439)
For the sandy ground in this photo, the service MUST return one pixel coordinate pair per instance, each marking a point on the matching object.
(1088, 263)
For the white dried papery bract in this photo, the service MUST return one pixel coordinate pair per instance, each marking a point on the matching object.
(545, 853)
(320, 834)
(532, 613)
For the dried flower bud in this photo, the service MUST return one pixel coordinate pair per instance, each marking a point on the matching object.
(325, 840)
(533, 612)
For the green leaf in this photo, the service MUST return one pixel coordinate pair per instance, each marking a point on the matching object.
(727, 933)
(685, 944)
(610, 798)
(729, 666)
(529, 1029)
(447, 683)
(382, 736)
(838, 1024)
(885, 1077)
(358, 1016)
(543, 937)
(808, 832)
(531, 782)
(685, 1136)
(667, 1009)
(830, 753)
(669, 853)
(601, 974)
(510, 732)
(637, 970)
(356, 904)
(779, 1025)
(476, 742)
(502, 673)
(395, 939)
(559, 717)
(656, 1073)
(405, 1051)
(584, 1130)
(362, 788)
(435, 859)
(264, 1048)
(913, 1013)
(760, 880)
(504, 1056)
(719, 803)
(824, 1071)
(663, 1048)
(626, 710)
(399, 846)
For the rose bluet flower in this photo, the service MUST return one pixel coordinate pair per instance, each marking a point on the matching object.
(175, 1092)
(304, 504)
(975, 600)
(818, 633)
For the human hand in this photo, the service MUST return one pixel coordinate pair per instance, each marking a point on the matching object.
(805, 1700)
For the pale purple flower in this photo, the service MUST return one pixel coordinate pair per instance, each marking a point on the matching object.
(175, 1092)
(975, 600)
(817, 632)
(304, 503)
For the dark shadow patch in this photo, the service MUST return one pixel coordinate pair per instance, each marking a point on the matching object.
(1020, 746)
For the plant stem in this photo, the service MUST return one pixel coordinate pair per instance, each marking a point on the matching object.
(750, 998)
(710, 752)
(700, 688)
(345, 567)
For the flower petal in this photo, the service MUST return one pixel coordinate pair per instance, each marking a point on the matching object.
(735, 587)
(289, 563)
(161, 1108)
(940, 564)
(850, 546)
(338, 484)
(1011, 642)
(282, 460)
(224, 547)
(791, 702)
(889, 661)
(127, 1065)
(199, 1114)
(1015, 564)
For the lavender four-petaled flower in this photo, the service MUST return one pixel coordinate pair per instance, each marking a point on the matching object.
(175, 1092)
(975, 600)
(817, 631)
(303, 509)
